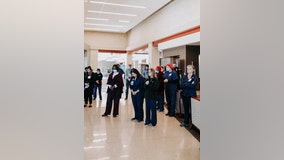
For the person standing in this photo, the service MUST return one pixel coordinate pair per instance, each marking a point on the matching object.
(114, 91)
(127, 80)
(137, 94)
(145, 72)
(151, 94)
(88, 86)
(188, 86)
(161, 91)
(98, 84)
(170, 81)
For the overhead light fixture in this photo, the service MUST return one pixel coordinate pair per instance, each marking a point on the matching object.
(117, 4)
(113, 13)
(105, 25)
(99, 19)
(102, 29)
(123, 21)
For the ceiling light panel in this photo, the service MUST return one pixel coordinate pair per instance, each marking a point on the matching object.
(126, 13)
(118, 4)
(98, 19)
(112, 13)
(104, 25)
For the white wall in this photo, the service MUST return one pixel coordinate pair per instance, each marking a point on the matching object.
(41, 89)
(176, 17)
(105, 40)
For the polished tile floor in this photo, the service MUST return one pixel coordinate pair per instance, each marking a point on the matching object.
(120, 138)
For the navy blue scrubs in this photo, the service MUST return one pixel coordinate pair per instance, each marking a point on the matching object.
(137, 100)
(188, 90)
(170, 89)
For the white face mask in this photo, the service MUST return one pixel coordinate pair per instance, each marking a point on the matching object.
(98, 72)
(157, 71)
(114, 71)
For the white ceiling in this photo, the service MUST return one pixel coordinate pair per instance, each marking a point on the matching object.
(118, 15)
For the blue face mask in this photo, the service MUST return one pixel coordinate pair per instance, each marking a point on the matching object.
(168, 69)
(114, 71)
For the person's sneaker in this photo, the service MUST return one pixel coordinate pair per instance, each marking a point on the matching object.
(104, 115)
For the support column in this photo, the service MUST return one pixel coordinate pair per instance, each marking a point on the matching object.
(129, 60)
(154, 56)
(93, 58)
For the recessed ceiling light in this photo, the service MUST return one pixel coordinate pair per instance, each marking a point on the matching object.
(123, 21)
(102, 29)
(121, 14)
(106, 25)
(116, 4)
(100, 19)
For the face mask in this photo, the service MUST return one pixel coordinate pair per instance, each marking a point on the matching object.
(114, 71)
(157, 71)
(98, 72)
(167, 68)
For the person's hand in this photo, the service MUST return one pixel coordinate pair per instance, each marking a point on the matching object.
(97, 81)
(166, 80)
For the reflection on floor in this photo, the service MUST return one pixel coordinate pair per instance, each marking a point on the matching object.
(118, 137)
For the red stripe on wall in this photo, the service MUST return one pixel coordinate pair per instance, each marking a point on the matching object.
(111, 51)
(180, 34)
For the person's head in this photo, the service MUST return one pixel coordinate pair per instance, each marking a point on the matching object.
(151, 73)
(135, 73)
(147, 66)
(190, 69)
(129, 65)
(89, 69)
(169, 67)
(115, 68)
(98, 70)
(158, 69)
(174, 65)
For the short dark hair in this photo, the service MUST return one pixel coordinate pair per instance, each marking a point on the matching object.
(89, 67)
(115, 66)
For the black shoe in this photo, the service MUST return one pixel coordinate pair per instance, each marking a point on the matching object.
(125, 99)
(167, 114)
(171, 115)
(85, 105)
(90, 106)
(146, 124)
(114, 115)
(139, 120)
(101, 99)
(132, 119)
(104, 115)
(161, 110)
(184, 125)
